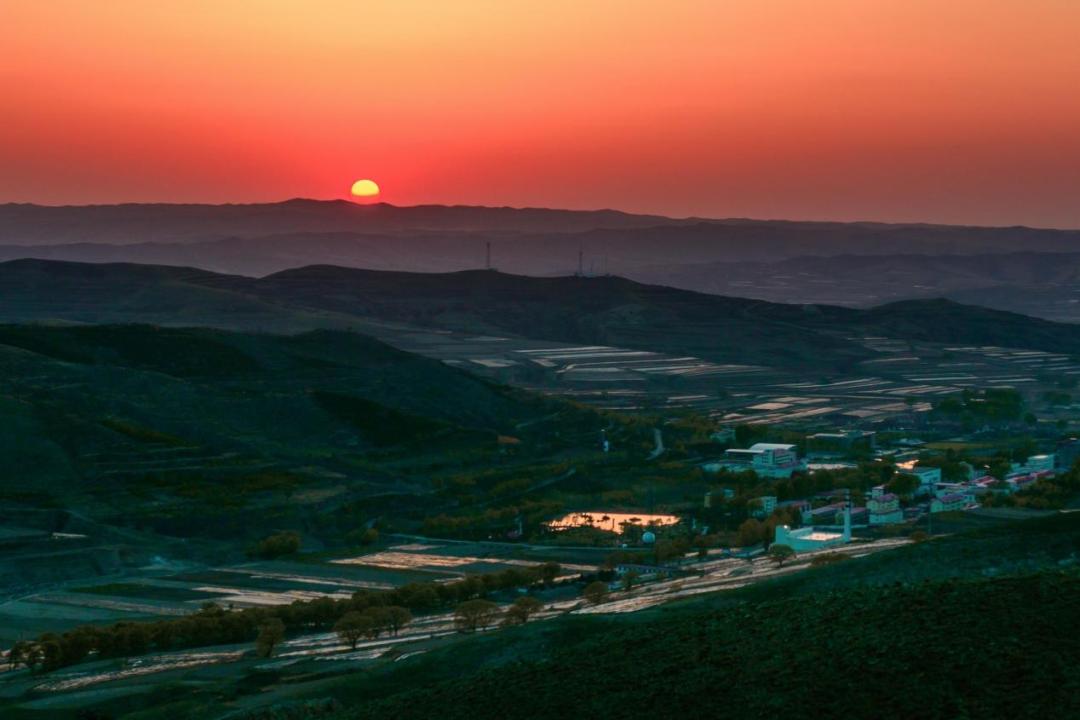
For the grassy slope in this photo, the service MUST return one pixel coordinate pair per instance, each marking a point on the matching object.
(997, 648)
(605, 310)
(942, 629)
(189, 420)
(924, 631)
(614, 310)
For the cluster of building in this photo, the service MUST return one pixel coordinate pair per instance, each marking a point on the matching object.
(962, 495)
(830, 524)
(935, 496)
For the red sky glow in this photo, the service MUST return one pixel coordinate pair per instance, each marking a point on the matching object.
(899, 110)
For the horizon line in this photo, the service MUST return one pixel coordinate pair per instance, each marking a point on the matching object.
(526, 208)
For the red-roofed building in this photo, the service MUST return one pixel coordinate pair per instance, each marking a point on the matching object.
(949, 503)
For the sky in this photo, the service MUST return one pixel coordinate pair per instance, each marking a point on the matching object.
(966, 111)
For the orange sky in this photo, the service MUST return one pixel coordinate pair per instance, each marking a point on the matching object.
(913, 110)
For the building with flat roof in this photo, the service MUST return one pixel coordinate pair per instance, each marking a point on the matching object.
(763, 506)
(809, 539)
(769, 460)
(884, 509)
(949, 503)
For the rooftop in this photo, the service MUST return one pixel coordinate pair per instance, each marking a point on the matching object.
(760, 447)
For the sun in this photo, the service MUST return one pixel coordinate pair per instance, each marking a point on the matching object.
(365, 189)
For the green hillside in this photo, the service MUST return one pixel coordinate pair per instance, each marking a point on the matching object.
(617, 311)
(169, 428)
(973, 648)
(597, 310)
(967, 626)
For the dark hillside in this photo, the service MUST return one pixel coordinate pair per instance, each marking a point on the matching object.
(974, 648)
(604, 310)
(612, 310)
(186, 430)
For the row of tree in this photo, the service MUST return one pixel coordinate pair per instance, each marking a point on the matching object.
(370, 623)
(214, 625)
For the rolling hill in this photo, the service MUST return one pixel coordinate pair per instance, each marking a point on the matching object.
(1019, 269)
(1041, 284)
(600, 310)
(170, 427)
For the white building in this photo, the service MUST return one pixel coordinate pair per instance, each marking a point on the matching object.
(763, 506)
(808, 539)
(770, 460)
(928, 476)
(884, 509)
(1034, 464)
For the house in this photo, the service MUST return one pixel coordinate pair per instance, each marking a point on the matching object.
(800, 506)
(645, 572)
(1034, 464)
(763, 506)
(824, 515)
(949, 503)
(846, 441)
(884, 509)
(769, 460)
(928, 476)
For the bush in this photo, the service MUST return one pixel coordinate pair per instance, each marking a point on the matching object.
(276, 545)
(595, 592)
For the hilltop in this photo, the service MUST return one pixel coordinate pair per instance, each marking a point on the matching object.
(592, 310)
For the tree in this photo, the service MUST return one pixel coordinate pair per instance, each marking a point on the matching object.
(473, 615)
(31, 654)
(595, 592)
(353, 626)
(365, 536)
(903, 484)
(521, 610)
(396, 617)
(751, 532)
(548, 572)
(20, 654)
(276, 545)
(271, 633)
(780, 553)
(628, 579)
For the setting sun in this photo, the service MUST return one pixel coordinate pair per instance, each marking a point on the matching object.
(365, 189)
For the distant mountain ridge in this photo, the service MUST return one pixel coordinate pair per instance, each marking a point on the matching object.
(1041, 284)
(26, 224)
(1028, 270)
